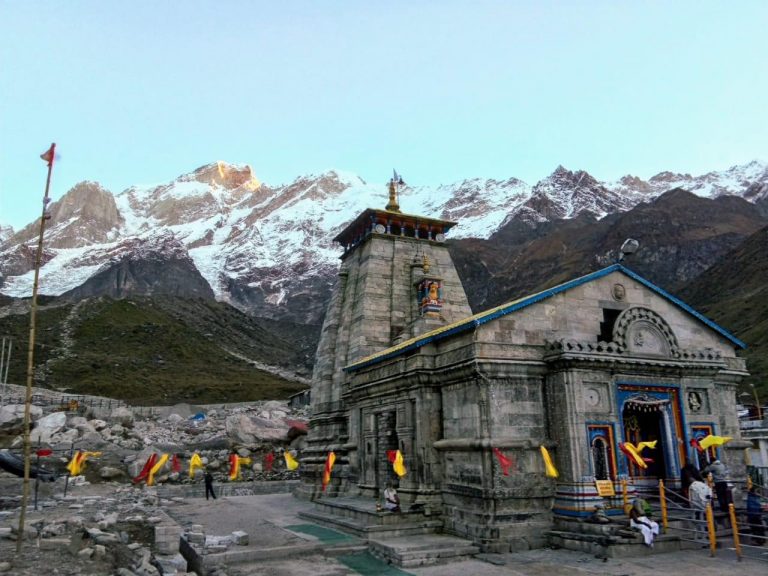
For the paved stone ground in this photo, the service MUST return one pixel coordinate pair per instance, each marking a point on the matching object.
(266, 517)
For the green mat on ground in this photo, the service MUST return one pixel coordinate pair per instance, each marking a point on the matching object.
(325, 535)
(367, 565)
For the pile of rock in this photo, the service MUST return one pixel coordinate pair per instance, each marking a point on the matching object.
(100, 534)
(127, 441)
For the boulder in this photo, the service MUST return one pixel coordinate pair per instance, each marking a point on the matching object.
(218, 442)
(250, 430)
(66, 436)
(91, 441)
(12, 417)
(110, 472)
(48, 426)
(123, 416)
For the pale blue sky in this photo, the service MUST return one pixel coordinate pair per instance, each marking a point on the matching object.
(140, 92)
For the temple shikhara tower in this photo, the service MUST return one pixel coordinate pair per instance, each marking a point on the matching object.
(581, 369)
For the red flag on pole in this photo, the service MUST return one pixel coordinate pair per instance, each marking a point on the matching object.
(175, 464)
(391, 456)
(44, 452)
(268, 460)
(49, 154)
(504, 462)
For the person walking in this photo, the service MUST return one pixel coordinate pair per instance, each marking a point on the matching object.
(209, 485)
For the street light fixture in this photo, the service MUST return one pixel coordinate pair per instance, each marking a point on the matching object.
(757, 402)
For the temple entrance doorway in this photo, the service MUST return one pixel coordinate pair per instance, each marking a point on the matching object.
(651, 413)
(646, 424)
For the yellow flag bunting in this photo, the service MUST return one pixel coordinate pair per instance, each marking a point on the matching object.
(195, 463)
(713, 440)
(550, 468)
(398, 465)
(77, 464)
(290, 461)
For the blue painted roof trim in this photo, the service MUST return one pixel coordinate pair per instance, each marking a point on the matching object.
(716, 327)
(481, 318)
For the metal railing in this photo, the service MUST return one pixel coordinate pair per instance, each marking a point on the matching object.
(736, 531)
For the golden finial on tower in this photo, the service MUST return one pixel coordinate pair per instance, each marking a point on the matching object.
(394, 185)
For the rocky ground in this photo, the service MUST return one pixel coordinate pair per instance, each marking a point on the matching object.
(107, 524)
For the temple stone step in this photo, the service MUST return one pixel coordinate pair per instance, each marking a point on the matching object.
(623, 543)
(365, 530)
(425, 550)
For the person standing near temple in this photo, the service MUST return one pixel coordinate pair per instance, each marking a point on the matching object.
(700, 495)
(209, 485)
(755, 517)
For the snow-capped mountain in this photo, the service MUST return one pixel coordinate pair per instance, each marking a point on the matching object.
(269, 250)
(749, 181)
(6, 231)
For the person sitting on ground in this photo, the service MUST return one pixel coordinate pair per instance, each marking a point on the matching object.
(648, 527)
(391, 499)
(755, 517)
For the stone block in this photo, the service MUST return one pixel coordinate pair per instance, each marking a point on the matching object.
(53, 543)
(240, 538)
(171, 564)
(196, 537)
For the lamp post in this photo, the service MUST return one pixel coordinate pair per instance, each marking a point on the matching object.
(757, 402)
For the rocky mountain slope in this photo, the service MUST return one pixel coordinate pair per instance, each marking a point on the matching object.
(268, 250)
(734, 292)
(680, 235)
(159, 350)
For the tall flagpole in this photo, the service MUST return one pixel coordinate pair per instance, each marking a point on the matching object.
(31, 352)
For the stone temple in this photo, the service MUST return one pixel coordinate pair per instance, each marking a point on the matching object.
(403, 364)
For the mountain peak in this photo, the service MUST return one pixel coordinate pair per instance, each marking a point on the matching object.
(229, 176)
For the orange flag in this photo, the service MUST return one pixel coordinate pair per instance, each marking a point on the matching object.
(328, 467)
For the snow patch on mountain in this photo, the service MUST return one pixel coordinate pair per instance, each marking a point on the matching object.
(242, 234)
